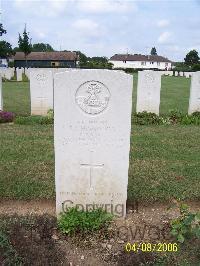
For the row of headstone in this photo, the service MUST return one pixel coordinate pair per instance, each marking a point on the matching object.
(7, 73)
(183, 74)
(27, 71)
(167, 73)
(149, 87)
(148, 91)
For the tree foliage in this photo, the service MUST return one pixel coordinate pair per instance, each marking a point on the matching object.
(192, 58)
(93, 62)
(5, 49)
(153, 51)
(42, 47)
(2, 30)
(82, 58)
(181, 66)
(17, 49)
(24, 43)
(99, 59)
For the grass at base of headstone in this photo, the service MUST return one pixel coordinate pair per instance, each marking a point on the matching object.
(164, 162)
(16, 97)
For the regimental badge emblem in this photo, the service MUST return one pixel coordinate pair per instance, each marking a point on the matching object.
(149, 78)
(92, 97)
(41, 77)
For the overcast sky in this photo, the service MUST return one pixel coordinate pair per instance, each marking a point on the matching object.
(106, 27)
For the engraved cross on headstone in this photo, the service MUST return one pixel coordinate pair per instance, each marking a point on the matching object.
(91, 166)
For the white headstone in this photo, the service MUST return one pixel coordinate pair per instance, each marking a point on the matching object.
(181, 74)
(148, 91)
(194, 103)
(1, 96)
(187, 74)
(170, 73)
(92, 124)
(27, 72)
(19, 74)
(8, 74)
(41, 89)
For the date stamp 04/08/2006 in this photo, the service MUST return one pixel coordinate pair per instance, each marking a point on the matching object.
(151, 247)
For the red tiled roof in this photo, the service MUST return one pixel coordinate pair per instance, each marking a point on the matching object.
(69, 56)
(139, 57)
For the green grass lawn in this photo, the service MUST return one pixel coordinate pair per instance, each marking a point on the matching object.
(16, 97)
(164, 160)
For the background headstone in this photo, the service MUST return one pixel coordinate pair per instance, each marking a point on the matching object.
(194, 102)
(41, 89)
(92, 124)
(8, 74)
(148, 91)
(187, 74)
(181, 74)
(19, 74)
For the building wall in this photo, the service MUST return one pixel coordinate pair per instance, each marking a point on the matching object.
(43, 63)
(139, 64)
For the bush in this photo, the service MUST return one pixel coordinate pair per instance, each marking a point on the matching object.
(196, 67)
(78, 221)
(196, 114)
(6, 117)
(146, 118)
(34, 119)
(50, 114)
(175, 116)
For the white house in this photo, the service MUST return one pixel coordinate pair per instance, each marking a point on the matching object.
(140, 61)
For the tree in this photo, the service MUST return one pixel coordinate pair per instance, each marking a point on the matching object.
(16, 49)
(181, 66)
(196, 67)
(99, 59)
(2, 31)
(25, 44)
(42, 47)
(153, 51)
(192, 58)
(5, 49)
(82, 58)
